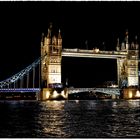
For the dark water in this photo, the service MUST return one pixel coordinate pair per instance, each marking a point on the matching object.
(73, 119)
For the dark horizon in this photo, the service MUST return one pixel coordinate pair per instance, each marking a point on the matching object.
(22, 24)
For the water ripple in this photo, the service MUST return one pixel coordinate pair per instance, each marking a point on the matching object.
(70, 119)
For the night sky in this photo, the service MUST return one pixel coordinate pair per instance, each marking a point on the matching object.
(22, 23)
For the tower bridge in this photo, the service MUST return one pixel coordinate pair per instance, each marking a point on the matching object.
(49, 68)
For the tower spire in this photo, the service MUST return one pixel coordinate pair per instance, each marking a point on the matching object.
(49, 30)
(42, 39)
(117, 42)
(49, 33)
(126, 36)
(118, 45)
(126, 40)
(136, 38)
(59, 34)
(136, 42)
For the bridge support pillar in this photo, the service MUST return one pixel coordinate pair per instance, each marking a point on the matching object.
(66, 93)
(50, 94)
(45, 94)
(37, 96)
(129, 93)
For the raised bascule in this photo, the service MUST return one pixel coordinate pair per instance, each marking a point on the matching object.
(49, 64)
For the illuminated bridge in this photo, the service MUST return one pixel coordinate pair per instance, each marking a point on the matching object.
(43, 76)
(20, 81)
(110, 91)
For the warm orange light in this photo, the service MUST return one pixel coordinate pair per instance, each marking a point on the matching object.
(63, 93)
(96, 50)
(130, 94)
(55, 94)
(137, 93)
(47, 95)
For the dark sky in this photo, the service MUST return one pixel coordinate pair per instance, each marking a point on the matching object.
(22, 23)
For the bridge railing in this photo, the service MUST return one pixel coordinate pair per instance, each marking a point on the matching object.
(112, 91)
(19, 90)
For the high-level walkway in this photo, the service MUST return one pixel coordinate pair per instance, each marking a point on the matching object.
(93, 53)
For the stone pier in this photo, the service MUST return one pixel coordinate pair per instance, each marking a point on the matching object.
(129, 93)
(50, 94)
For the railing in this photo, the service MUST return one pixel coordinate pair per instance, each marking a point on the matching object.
(115, 91)
(20, 90)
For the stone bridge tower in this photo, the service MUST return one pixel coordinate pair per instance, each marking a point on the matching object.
(127, 67)
(132, 64)
(51, 46)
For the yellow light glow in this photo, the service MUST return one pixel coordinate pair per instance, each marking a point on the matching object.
(137, 93)
(63, 93)
(47, 95)
(96, 50)
(130, 94)
(55, 94)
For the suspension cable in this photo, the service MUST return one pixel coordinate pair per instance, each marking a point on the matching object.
(28, 80)
(15, 78)
(14, 84)
(21, 82)
(33, 76)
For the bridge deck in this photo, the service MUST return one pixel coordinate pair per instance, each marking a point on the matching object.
(110, 91)
(20, 90)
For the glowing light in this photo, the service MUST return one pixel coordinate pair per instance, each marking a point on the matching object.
(47, 95)
(130, 94)
(137, 93)
(96, 50)
(55, 94)
(77, 101)
(114, 86)
(63, 93)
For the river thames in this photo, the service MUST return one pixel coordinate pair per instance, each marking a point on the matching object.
(70, 119)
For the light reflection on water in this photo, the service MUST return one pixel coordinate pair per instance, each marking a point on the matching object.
(75, 119)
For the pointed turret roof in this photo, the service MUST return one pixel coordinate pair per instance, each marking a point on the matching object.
(126, 37)
(49, 30)
(59, 34)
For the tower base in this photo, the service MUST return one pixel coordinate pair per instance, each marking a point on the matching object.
(130, 93)
(52, 94)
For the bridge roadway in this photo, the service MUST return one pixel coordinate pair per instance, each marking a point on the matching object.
(19, 90)
(93, 54)
(110, 91)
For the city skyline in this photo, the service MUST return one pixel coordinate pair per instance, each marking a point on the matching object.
(95, 22)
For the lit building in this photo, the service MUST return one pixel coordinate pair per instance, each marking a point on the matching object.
(128, 67)
(51, 48)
